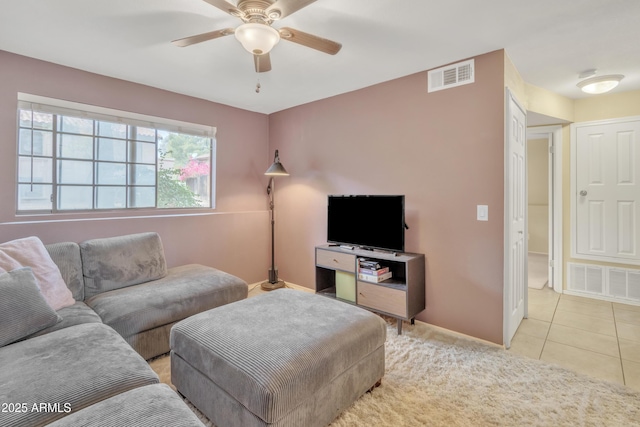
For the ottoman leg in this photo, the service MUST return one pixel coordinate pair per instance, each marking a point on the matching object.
(376, 385)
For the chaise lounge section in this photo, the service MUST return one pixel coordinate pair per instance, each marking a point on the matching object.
(129, 286)
(73, 368)
(84, 364)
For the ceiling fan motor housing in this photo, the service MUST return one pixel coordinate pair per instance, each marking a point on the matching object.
(255, 11)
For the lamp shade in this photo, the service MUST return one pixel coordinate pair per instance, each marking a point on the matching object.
(276, 169)
(600, 84)
(257, 39)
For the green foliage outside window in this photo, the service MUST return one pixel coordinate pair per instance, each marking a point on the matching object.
(172, 192)
(185, 147)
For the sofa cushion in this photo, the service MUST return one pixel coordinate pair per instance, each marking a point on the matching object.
(66, 255)
(23, 310)
(30, 252)
(78, 366)
(118, 262)
(185, 291)
(148, 406)
(77, 314)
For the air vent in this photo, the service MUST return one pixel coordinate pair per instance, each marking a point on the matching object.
(624, 283)
(633, 285)
(617, 283)
(586, 278)
(613, 282)
(450, 76)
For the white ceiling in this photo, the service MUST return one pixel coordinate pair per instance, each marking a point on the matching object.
(549, 41)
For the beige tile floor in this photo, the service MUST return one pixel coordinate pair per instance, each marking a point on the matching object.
(595, 337)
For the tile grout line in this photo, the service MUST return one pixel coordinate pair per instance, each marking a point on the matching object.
(589, 331)
(615, 325)
(544, 344)
(612, 310)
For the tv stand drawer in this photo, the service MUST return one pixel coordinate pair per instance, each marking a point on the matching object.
(388, 300)
(336, 260)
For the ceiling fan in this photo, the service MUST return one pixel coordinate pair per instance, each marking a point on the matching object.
(257, 35)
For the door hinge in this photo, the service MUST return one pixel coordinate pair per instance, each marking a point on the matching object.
(551, 263)
(552, 149)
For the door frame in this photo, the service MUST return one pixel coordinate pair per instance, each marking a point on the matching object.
(554, 135)
(507, 270)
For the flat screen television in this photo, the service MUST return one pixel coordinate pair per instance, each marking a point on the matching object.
(367, 221)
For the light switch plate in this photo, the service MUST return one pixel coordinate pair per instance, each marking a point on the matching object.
(483, 213)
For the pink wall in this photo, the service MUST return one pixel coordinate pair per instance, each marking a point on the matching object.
(234, 238)
(444, 151)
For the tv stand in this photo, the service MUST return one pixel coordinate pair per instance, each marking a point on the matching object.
(402, 296)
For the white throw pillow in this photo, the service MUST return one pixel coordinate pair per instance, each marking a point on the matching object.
(30, 252)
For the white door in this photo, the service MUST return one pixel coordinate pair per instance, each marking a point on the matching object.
(607, 192)
(515, 279)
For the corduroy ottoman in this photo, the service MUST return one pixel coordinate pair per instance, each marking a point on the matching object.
(286, 358)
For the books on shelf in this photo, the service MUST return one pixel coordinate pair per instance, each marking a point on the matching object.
(369, 264)
(372, 271)
(374, 278)
(377, 272)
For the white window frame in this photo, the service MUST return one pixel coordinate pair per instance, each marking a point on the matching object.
(92, 112)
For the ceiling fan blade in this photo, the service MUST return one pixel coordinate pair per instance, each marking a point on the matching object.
(282, 8)
(262, 63)
(309, 40)
(225, 6)
(188, 41)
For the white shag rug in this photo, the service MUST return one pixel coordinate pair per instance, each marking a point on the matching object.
(436, 378)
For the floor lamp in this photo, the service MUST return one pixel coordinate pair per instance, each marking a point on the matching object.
(276, 169)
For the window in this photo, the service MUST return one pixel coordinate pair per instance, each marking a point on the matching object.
(88, 158)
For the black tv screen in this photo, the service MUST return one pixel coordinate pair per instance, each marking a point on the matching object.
(372, 222)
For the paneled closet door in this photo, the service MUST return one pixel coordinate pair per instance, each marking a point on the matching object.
(607, 196)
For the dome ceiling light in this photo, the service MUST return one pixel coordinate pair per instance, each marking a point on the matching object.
(599, 84)
(257, 38)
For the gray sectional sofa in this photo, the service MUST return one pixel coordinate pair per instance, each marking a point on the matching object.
(89, 368)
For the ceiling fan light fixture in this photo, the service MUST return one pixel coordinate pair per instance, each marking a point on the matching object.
(600, 84)
(256, 38)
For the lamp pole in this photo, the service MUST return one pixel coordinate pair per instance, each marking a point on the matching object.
(273, 272)
(276, 169)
